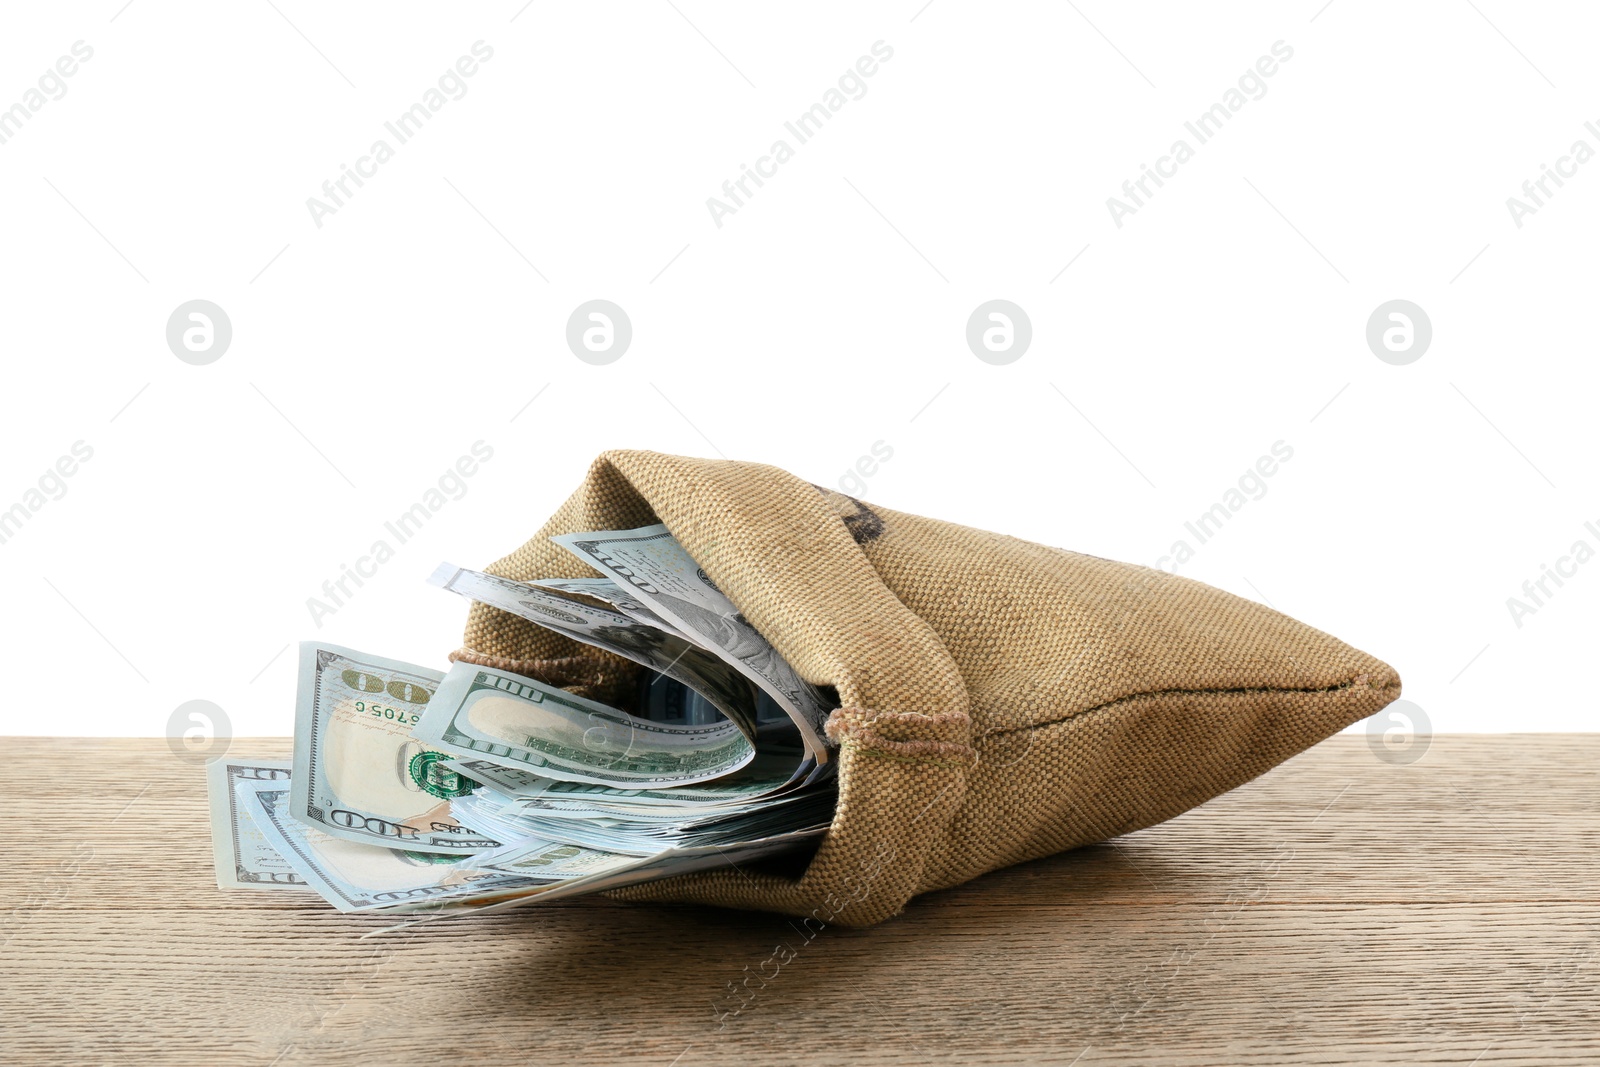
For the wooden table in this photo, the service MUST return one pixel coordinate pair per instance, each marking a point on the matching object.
(1339, 909)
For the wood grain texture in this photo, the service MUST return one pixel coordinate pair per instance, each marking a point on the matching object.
(1337, 910)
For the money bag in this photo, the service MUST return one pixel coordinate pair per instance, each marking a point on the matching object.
(1001, 700)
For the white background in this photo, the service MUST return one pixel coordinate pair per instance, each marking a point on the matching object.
(827, 314)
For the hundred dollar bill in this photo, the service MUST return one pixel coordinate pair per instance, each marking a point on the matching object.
(610, 592)
(762, 777)
(353, 876)
(643, 836)
(513, 720)
(641, 642)
(652, 563)
(507, 780)
(533, 858)
(484, 812)
(556, 860)
(666, 864)
(243, 857)
(358, 772)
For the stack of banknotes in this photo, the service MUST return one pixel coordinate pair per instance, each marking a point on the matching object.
(413, 789)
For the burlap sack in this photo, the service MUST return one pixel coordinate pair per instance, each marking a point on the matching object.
(1001, 700)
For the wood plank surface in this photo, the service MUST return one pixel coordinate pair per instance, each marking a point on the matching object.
(1340, 909)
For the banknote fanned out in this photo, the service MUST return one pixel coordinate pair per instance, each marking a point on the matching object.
(519, 722)
(609, 592)
(654, 566)
(244, 856)
(640, 639)
(358, 877)
(413, 789)
(359, 773)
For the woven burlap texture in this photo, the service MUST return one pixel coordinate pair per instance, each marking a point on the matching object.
(1001, 700)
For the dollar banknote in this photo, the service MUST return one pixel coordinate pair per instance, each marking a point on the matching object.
(667, 863)
(418, 790)
(642, 642)
(764, 776)
(243, 856)
(508, 780)
(515, 721)
(640, 831)
(358, 772)
(609, 592)
(652, 563)
(533, 858)
(354, 876)
(617, 851)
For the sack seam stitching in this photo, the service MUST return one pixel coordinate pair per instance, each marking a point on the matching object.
(1220, 691)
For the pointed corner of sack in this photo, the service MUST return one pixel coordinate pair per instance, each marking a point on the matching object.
(1374, 688)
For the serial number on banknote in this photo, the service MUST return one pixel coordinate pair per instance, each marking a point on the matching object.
(383, 711)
